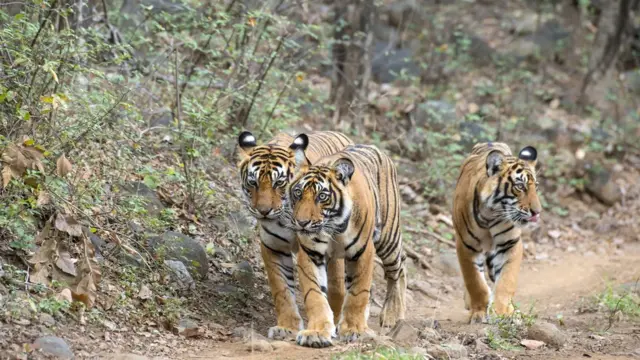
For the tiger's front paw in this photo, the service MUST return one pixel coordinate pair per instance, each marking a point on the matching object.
(280, 333)
(314, 338)
(478, 317)
(350, 333)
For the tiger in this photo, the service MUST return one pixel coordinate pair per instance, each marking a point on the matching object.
(265, 172)
(496, 195)
(346, 206)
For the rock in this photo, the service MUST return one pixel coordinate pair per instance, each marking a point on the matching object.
(278, 345)
(546, 41)
(429, 334)
(46, 320)
(479, 52)
(601, 185)
(247, 334)
(434, 115)
(547, 333)
(448, 351)
(424, 288)
(180, 273)
(54, 346)
(259, 345)
(187, 328)
(176, 246)
(404, 333)
(531, 344)
(632, 80)
(153, 205)
(448, 263)
(388, 63)
(241, 224)
(243, 273)
(472, 133)
(145, 293)
(481, 346)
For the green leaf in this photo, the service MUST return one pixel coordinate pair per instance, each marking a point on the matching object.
(210, 249)
(150, 181)
(19, 16)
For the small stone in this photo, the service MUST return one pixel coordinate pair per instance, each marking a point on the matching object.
(110, 325)
(531, 344)
(554, 234)
(243, 273)
(448, 351)
(259, 345)
(21, 321)
(404, 333)
(47, 320)
(187, 328)
(547, 333)
(145, 293)
(277, 345)
(54, 346)
(473, 108)
(247, 334)
(180, 273)
(429, 334)
(481, 346)
(555, 103)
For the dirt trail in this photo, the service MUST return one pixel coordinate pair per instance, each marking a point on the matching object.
(554, 287)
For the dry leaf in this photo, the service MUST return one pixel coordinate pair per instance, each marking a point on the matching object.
(68, 224)
(85, 291)
(43, 198)
(65, 294)
(63, 166)
(47, 247)
(66, 263)
(6, 176)
(40, 274)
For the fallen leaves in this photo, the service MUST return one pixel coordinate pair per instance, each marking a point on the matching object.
(68, 224)
(16, 160)
(53, 260)
(63, 166)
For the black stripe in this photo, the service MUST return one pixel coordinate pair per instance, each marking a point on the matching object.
(360, 252)
(476, 205)
(506, 246)
(276, 251)
(469, 246)
(274, 235)
(503, 231)
(357, 237)
(309, 292)
(316, 257)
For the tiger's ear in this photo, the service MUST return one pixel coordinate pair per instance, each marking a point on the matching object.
(246, 142)
(494, 162)
(530, 155)
(299, 146)
(343, 169)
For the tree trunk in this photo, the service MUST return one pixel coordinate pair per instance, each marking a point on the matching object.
(351, 51)
(612, 27)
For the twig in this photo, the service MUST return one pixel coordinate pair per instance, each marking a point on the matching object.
(432, 234)
(35, 38)
(415, 256)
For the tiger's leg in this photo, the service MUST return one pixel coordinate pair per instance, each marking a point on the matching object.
(395, 273)
(359, 269)
(476, 288)
(335, 272)
(279, 268)
(312, 275)
(504, 267)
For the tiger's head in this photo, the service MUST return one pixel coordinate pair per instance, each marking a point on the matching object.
(510, 190)
(265, 172)
(318, 196)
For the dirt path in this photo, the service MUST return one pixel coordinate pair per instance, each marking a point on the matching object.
(554, 287)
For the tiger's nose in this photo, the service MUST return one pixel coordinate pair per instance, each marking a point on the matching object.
(304, 223)
(264, 212)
